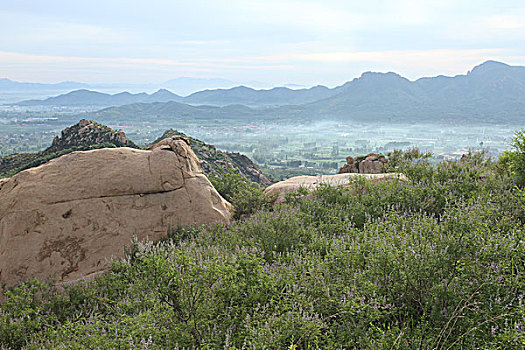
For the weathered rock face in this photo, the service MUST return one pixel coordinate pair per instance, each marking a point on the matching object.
(370, 164)
(310, 183)
(65, 219)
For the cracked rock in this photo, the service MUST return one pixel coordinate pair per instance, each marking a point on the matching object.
(66, 219)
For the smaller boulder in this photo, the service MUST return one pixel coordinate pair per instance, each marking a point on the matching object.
(278, 190)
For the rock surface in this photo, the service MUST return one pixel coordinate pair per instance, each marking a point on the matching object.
(66, 219)
(372, 163)
(310, 183)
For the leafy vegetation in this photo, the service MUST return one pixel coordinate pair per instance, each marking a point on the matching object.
(434, 262)
(512, 162)
(246, 197)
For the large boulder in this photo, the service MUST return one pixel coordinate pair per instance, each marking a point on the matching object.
(66, 219)
(278, 190)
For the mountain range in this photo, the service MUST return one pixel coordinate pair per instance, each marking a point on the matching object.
(277, 96)
(490, 92)
(7, 85)
(85, 97)
(183, 86)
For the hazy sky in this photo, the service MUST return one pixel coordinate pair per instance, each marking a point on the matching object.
(274, 41)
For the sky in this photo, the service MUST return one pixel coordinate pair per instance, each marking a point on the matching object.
(275, 42)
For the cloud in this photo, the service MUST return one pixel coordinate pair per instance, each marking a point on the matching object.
(119, 69)
(302, 41)
(414, 63)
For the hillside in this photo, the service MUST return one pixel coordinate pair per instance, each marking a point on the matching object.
(214, 161)
(491, 92)
(434, 261)
(168, 110)
(258, 98)
(83, 136)
(87, 135)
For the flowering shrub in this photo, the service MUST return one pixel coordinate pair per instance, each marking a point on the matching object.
(436, 262)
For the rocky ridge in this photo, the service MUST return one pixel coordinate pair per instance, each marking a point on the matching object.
(84, 135)
(88, 134)
(212, 159)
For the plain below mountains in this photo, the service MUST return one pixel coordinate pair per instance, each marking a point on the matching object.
(492, 92)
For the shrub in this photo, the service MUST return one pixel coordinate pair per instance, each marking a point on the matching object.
(436, 262)
(246, 197)
(513, 162)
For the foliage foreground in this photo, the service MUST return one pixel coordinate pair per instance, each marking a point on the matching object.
(435, 262)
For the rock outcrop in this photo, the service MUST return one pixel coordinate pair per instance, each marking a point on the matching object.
(278, 190)
(66, 219)
(84, 135)
(372, 163)
(88, 133)
(212, 160)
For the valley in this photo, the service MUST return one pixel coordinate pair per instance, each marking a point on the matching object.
(281, 147)
(308, 130)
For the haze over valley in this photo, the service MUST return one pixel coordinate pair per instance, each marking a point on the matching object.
(313, 129)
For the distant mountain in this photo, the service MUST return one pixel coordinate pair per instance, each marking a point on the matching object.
(221, 97)
(257, 98)
(7, 85)
(14, 91)
(491, 92)
(142, 111)
(187, 85)
(93, 98)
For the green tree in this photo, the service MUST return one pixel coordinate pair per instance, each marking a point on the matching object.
(513, 162)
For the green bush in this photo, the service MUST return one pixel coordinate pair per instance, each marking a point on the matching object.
(513, 162)
(246, 197)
